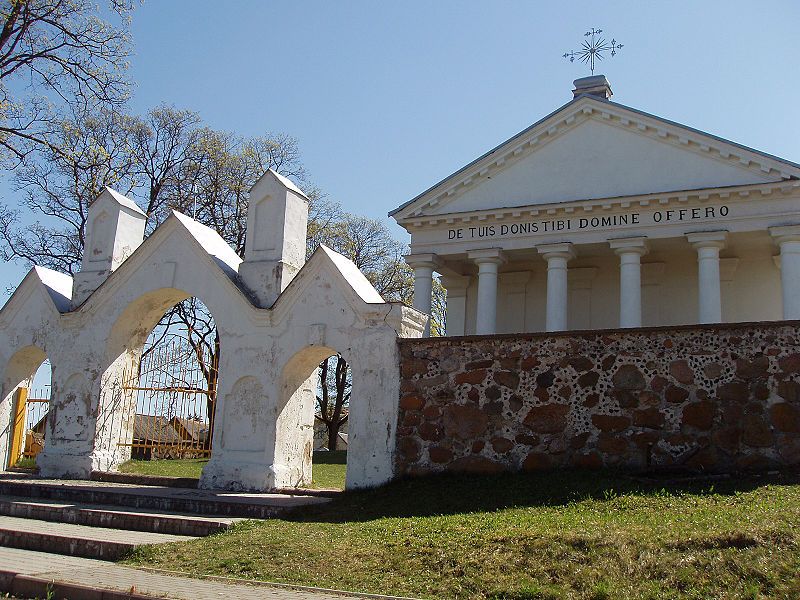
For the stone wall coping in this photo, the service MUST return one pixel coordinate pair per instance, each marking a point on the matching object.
(585, 333)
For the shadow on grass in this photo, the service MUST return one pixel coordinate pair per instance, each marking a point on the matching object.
(335, 457)
(454, 494)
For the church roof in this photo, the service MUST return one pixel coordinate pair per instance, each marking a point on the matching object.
(726, 148)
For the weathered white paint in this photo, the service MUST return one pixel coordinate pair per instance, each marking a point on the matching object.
(264, 414)
(115, 228)
(275, 247)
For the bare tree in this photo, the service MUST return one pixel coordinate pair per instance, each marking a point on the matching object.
(164, 143)
(59, 185)
(57, 54)
(333, 399)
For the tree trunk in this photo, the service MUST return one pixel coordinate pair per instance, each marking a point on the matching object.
(333, 435)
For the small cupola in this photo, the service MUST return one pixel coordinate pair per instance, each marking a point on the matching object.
(596, 85)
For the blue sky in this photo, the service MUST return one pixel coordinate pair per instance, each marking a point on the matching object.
(387, 98)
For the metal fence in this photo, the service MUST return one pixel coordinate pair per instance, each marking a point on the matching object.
(174, 395)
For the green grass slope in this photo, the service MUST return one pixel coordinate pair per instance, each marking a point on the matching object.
(514, 537)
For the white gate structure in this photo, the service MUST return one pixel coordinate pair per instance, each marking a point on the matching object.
(277, 316)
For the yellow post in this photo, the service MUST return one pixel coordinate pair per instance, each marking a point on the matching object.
(18, 429)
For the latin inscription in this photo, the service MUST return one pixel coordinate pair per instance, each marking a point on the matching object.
(588, 223)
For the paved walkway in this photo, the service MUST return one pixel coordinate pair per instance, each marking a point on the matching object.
(104, 575)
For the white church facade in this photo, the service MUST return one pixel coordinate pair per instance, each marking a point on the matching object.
(603, 216)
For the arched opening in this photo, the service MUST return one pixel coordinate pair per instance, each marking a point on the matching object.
(331, 422)
(312, 424)
(159, 395)
(26, 398)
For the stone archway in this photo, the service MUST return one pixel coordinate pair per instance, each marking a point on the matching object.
(120, 399)
(294, 426)
(19, 372)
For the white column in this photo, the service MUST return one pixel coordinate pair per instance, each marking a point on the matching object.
(488, 262)
(557, 256)
(788, 240)
(630, 252)
(423, 266)
(456, 314)
(708, 244)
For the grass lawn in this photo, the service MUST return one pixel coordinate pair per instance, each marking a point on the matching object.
(328, 468)
(561, 535)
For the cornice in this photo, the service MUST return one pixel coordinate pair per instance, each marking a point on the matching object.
(594, 205)
(565, 119)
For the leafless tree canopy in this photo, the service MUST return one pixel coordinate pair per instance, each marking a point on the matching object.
(57, 185)
(164, 160)
(57, 56)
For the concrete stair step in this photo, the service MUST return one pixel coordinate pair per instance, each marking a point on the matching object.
(192, 482)
(76, 540)
(95, 515)
(138, 479)
(155, 498)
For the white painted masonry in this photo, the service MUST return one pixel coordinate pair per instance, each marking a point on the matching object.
(277, 319)
(709, 214)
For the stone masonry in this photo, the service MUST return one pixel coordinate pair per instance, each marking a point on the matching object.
(707, 398)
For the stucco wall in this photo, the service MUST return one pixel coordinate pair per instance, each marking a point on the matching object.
(714, 398)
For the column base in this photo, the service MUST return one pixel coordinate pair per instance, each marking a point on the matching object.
(239, 474)
(64, 466)
(79, 466)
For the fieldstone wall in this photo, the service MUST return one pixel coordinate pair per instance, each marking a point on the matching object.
(711, 398)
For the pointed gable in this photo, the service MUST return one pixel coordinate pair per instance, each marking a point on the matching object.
(58, 286)
(332, 271)
(353, 276)
(55, 288)
(593, 148)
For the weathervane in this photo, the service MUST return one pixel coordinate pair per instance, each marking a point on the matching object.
(592, 50)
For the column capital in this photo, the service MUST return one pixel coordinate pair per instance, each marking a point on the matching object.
(785, 233)
(429, 260)
(708, 239)
(487, 255)
(630, 245)
(558, 250)
(455, 283)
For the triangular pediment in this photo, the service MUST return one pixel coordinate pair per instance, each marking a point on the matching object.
(591, 149)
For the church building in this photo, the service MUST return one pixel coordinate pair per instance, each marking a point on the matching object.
(604, 216)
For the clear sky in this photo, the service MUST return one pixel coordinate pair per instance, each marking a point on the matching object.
(388, 98)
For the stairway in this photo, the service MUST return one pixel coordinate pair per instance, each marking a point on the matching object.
(107, 520)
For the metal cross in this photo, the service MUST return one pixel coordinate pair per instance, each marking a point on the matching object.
(592, 49)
